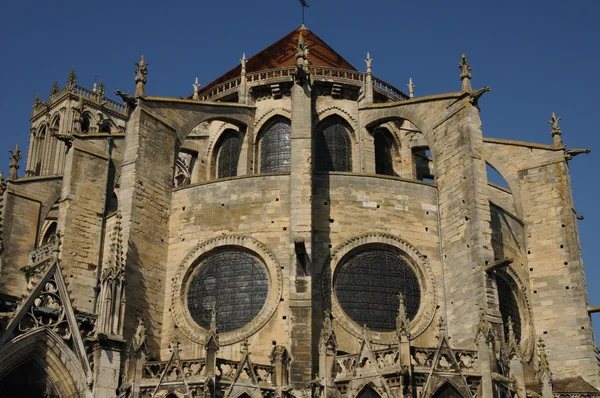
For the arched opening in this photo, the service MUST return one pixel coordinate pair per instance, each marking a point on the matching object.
(509, 306)
(447, 390)
(56, 125)
(228, 156)
(494, 177)
(106, 128)
(86, 122)
(27, 380)
(275, 146)
(423, 164)
(368, 392)
(333, 147)
(50, 232)
(384, 147)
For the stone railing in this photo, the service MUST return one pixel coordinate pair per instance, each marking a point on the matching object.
(95, 97)
(388, 361)
(85, 93)
(226, 87)
(153, 371)
(44, 253)
(270, 74)
(385, 88)
(317, 72)
(334, 73)
(228, 369)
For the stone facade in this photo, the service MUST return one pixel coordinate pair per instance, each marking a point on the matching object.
(146, 252)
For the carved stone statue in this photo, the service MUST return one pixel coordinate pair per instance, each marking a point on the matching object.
(139, 338)
(465, 74)
(15, 156)
(140, 78)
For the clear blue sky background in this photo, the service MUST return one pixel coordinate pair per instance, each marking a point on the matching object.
(538, 57)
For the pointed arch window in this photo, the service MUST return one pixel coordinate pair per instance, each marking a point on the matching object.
(447, 390)
(276, 147)
(509, 307)
(333, 148)
(86, 123)
(368, 392)
(229, 154)
(27, 380)
(384, 144)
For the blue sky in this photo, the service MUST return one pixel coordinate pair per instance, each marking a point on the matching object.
(538, 57)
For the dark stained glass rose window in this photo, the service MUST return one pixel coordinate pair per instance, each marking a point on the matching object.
(368, 283)
(509, 307)
(229, 154)
(235, 281)
(276, 148)
(333, 148)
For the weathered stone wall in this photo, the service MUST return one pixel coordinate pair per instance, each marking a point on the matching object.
(27, 202)
(347, 205)
(255, 206)
(539, 178)
(145, 195)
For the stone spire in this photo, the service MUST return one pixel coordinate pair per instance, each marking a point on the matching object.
(402, 321)
(196, 87)
(111, 297)
(15, 156)
(369, 62)
(54, 89)
(36, 101)
(140, 78)
(369, 80)
(556, 131)
(465, 74)
(512, 347)
(543, 369)
(543, 373)
(411, 88)
(243, 63)
(100, 89)
(327, 341)
(72, 78)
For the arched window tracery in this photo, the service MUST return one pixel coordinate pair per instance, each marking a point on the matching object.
(228, 156)
(509, 307)
(276, 147)
(333, 147)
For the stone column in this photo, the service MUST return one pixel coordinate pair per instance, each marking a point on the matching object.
(107, 366)
(301, 237)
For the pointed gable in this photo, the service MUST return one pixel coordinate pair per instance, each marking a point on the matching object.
(282, 54)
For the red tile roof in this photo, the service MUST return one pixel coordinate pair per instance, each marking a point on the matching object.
(282, 54)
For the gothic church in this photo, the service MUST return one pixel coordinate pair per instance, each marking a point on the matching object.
(296, 228)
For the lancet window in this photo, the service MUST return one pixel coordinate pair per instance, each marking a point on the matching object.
(509, 307)
(276, 147)
(333, 147)
(229, 154)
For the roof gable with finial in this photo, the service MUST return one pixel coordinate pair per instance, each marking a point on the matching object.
(282, 54)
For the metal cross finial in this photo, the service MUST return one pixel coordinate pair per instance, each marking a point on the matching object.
(304, 6)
